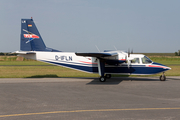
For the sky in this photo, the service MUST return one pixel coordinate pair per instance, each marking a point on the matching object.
(146, 26)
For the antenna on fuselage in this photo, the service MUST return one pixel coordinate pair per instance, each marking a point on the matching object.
(115, 47)
(97, 48)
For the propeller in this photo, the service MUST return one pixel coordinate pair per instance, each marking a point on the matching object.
(132, 51)
(129, 53)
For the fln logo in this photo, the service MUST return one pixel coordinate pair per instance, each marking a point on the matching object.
(63, 58)
(30, 35)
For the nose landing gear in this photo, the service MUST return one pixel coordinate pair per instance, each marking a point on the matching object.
(162, 77)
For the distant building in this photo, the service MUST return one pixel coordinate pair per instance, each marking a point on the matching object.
(179, 52)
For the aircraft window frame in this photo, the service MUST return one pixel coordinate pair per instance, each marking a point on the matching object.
(135, 61)
(146, 60)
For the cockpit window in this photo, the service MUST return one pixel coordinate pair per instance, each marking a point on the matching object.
(146, 60)
(135, 60)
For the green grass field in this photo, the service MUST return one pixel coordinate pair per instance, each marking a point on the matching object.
(9, 68)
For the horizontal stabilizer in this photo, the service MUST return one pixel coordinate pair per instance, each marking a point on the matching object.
(24, 52)
(103, 54)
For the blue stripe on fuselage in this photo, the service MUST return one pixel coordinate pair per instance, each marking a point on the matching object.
(154, 63)
(78, 67)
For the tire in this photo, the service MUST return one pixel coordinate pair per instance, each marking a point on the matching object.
(102, 79)
(162, 78)
(108, 76)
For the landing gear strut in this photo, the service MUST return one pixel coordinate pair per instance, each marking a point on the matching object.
(162, 77)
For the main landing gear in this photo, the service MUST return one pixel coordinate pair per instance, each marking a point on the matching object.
(162, 77)
(103, 78)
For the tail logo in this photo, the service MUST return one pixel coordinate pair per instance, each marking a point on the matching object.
(30, 35)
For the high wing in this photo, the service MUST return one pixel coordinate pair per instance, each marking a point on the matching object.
(102, 54)
(107, 57)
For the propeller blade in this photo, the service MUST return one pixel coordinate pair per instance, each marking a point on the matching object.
(132, 51)
(128, 53)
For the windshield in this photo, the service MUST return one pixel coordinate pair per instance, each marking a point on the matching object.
(146, 60)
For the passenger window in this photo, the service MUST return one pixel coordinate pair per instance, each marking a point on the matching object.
(135, 60)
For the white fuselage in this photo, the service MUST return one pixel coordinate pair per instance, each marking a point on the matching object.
(136, 63)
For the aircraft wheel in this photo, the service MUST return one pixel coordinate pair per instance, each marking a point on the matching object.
(108, 76)
(102, 79)
(162, 78)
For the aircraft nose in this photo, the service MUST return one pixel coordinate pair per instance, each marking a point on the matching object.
(168, 68)
(162, 66)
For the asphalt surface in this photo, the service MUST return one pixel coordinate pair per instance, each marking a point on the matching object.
(88, 99)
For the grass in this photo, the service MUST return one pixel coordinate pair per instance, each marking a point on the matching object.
(22, 63)
(9, 68)
(166, 60)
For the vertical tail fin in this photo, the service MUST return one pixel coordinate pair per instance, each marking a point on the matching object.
(30, 38)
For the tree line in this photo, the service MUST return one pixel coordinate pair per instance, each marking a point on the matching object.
(7, 54)
(177, 53)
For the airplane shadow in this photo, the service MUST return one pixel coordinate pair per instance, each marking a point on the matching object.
(44, 76)
(111, 81)
(118, 80)
(174, 78)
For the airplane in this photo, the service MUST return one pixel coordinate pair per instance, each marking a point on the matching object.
(104, 63)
